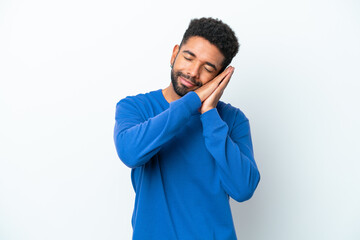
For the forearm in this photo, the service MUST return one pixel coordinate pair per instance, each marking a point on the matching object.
(233, 155)
(138, 140)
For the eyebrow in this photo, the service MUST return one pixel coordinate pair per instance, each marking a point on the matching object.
(207, 63)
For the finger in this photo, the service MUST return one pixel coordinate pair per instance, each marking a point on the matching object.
(226, 80)
(222, 85)
(206, 90)
(224, 74)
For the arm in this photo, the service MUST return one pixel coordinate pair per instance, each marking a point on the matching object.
(233, 151)
(138, 140)
(233, 154)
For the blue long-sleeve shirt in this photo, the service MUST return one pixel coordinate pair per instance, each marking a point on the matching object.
(185, 165)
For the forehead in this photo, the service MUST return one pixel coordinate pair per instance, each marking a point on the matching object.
(203, 50)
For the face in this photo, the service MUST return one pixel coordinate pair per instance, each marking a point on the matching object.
(194, 64)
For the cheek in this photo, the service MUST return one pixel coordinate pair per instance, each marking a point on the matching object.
(181, 64)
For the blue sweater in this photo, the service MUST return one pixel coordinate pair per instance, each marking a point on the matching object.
(185, 165)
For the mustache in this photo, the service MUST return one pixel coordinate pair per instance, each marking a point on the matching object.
(191, 79)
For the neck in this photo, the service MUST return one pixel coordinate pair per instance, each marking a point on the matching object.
(169, 94)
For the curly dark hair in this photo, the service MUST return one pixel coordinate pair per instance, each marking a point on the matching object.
(217, 33)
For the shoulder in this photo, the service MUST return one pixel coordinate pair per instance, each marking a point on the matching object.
(140, 98)
(146, 104)
(227, 110)
(230, 114)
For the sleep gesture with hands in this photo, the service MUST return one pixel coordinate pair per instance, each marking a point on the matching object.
(211, 92)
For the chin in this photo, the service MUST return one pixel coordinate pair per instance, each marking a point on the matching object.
(181, 91)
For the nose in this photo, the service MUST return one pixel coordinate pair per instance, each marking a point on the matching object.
(193, 70)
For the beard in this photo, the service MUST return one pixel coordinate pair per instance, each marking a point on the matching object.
(179, 88)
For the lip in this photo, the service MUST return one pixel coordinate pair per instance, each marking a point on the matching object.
(186, 82)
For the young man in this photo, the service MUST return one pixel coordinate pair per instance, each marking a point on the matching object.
(188, 151)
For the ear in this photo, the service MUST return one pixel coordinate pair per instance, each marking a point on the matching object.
(174, 54)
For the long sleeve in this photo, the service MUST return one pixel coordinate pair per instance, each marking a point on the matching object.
(138, 138)
(233, 153)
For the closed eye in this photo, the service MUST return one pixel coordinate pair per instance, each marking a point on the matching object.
(208, 70)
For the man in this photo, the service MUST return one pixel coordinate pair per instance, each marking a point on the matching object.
(188, 151)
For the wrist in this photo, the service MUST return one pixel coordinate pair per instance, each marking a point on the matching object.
(204, 110)
(200, 95)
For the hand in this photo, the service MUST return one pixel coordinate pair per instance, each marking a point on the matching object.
(211, 92)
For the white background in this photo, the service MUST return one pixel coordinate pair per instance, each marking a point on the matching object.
(65, 64)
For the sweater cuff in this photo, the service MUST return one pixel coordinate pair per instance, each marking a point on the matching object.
(211, 120)
(192, 102)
